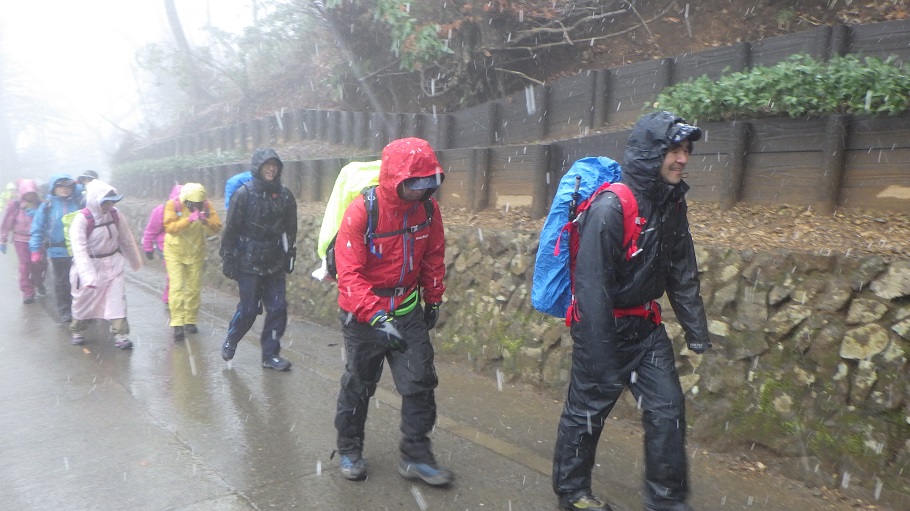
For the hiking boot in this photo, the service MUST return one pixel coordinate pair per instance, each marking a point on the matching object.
(353, 467)
(583, 501)
(190, 328)
(276, 363)
(28, 300)
(178, 333)
(430, 473)
(122, 341)
(42, 290)
(228, 349)
(77, 338)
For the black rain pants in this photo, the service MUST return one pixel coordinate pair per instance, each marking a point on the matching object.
(415, 379)
(641, 359)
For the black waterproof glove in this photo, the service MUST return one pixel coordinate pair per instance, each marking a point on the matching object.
(385, 324)
(699, 347)
(149, 255)
(229, 267)
(431, 314)
(290, 259)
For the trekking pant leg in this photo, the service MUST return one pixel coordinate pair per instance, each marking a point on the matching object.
(247, 309)
(62, 288)
(120, 326)
(363, 367)
(276, 313)
(415, 379)
(658, 390)
(192, 297)
(598, 376)
(177, 273)
(25, 269)
(79, 326)
(165, 296)
(37, 271)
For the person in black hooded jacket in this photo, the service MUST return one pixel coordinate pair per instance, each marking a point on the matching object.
(619, 340)
(257, 249)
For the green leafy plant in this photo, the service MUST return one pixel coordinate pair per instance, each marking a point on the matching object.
(795, 87)
(413, 44)
(176, 163)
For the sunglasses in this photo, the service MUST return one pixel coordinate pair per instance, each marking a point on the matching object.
(682, 131)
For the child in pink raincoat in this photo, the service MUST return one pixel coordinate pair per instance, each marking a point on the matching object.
(100, 252)
(153, 237)
(18, 220)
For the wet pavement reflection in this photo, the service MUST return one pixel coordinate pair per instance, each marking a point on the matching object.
(171, 426)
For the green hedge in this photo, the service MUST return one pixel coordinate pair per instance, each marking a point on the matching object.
(798, 86)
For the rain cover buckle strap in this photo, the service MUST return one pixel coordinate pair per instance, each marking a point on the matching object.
(102, 256)
(650, 311)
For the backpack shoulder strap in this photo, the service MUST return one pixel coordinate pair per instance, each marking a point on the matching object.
(372, 207)
(631, 222)
(89, 222)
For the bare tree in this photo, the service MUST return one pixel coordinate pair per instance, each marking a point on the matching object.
(8, 155)
(197, 91)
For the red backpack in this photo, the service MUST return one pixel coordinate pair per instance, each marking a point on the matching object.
(632, 226)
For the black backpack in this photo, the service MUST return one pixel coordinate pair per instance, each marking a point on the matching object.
(369, 235)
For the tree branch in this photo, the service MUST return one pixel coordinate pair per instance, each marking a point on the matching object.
(526, 77)
(532, 49)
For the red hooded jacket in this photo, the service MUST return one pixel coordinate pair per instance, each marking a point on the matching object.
(403, 260)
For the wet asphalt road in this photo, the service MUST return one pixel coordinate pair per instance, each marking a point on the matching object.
(170, 426)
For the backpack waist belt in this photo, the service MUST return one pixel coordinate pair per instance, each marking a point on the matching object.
(650, 311)
(386, 292)
(408, 304)
(102, 256)
(62, 244)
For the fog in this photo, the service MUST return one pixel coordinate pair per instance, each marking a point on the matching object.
(69, 85)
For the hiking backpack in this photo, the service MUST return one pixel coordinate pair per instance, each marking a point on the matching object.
(370, 234)
(89, 224)
(553, 284)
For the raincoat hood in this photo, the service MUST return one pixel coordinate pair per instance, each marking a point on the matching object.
(406, 158)
(95, 190)
(26, 186)
(261, 156)
(53, 182)
(193, 192)
(175, 193)
(648, 144)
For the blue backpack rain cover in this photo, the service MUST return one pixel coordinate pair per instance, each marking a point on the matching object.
(551, 288)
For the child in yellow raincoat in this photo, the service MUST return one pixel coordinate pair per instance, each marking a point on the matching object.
(188, 221)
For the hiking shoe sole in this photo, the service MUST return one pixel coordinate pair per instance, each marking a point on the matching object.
(433, 476)
(227, 350)
(277, 363)
(353, 469)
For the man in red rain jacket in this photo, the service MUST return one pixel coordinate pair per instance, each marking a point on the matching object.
(381, 279)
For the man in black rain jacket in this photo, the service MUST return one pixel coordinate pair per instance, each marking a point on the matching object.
(619, 341)
(257, 249)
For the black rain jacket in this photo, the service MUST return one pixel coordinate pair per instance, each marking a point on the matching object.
(261, 211)
(604, 279)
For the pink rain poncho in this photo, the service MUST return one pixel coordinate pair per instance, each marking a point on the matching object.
(153, 237)
(98, 286)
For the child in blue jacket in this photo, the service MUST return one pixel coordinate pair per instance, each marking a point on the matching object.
(47, 233)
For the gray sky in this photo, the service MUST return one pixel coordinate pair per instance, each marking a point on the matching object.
(77, 58)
